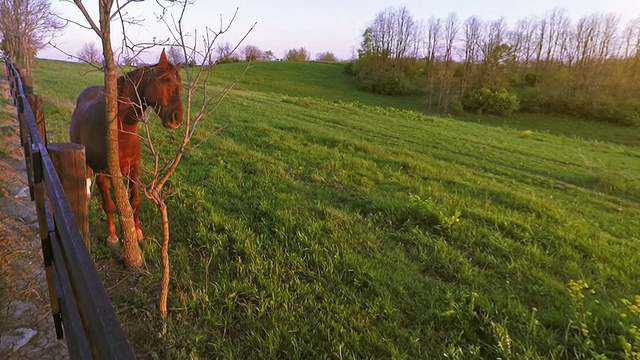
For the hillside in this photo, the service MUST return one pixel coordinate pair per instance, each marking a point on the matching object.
(322, 223)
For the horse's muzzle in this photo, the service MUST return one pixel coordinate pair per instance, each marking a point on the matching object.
(172, 120)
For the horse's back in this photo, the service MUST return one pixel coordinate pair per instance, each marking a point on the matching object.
(90, 94)
(88, 104)
(87, 126)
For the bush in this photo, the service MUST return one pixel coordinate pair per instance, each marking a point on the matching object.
(532, 100)
(601, 109)
(348, 68)
(454, 107)
(383, 76)
(300, 54)
(497, 102)
(626, 113)
(326, 57)
(228, 60)
(387, 84)
(252, 53)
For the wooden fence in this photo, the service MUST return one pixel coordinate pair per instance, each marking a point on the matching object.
(80, 306)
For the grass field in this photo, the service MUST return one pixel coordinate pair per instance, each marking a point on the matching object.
(325, 222)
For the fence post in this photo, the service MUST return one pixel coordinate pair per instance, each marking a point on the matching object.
(13, 87)
(25, 143)
(69, 161)
(36, 106)
(27, 84)
(23, 128)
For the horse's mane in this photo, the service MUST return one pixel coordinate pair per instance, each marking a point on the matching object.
(133, 74)
(138, 75)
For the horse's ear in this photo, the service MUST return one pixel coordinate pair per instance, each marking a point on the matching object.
(163, 62)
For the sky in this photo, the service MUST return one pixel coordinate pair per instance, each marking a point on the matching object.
(318, 26)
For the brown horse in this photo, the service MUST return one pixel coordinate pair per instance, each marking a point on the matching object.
(159, 87)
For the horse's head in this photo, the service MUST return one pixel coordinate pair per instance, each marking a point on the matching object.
(164, 92)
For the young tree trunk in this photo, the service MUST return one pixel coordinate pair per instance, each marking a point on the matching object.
(131, 251)
(164, 288)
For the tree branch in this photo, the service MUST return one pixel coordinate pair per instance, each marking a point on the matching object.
(88, 17)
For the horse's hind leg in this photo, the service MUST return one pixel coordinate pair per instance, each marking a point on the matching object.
(103, 184)
(88, 182)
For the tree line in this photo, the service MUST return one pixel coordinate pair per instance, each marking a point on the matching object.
(26, 27)
(588, 67)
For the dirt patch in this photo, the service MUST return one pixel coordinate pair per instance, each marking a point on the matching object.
(26, 323)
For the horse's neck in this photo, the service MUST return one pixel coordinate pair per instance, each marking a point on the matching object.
(131, 103)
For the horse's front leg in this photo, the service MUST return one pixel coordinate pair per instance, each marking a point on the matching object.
(134, 197)
(103, 184)
(88, 182)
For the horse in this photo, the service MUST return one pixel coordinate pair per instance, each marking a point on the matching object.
(157, 86)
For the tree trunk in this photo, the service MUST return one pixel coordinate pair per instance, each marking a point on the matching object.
(131, 250)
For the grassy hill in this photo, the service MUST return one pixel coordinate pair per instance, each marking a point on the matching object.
(325, 222)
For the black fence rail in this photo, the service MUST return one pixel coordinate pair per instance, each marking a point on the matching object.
(80, 305)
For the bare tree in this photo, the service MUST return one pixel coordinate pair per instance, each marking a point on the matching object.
(90, 53)
(522, 40)
(451, 28)
(393, 34)
(557, 25)
(26, 27)
(252, 53)
(196, 86)
(434, 28)
(224, 51)
(631, 48)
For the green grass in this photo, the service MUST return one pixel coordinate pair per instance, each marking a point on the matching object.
(319, 224)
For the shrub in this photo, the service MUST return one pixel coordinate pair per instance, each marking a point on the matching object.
(613, 111)
(602, 109)
(300, 54)
(326, 57)
(252, 53)
(382, 76)
(454, 107)
(531, 79)
(228, 60)
(497, 102)
(531, 100)
(387, 83)
(348, 68)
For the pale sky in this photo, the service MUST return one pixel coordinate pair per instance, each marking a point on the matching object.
(319, 26)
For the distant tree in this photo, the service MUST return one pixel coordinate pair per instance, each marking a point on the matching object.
(434, 32)
(300, 54)
(225, 53)
(252, 53)
(268, 55)
(90, 53)
(326, 57)
(393, 34)
(26, 27)
(129, 61)
(224, 50)
(175, 55)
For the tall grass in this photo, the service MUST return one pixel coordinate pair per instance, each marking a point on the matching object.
(319, 224)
